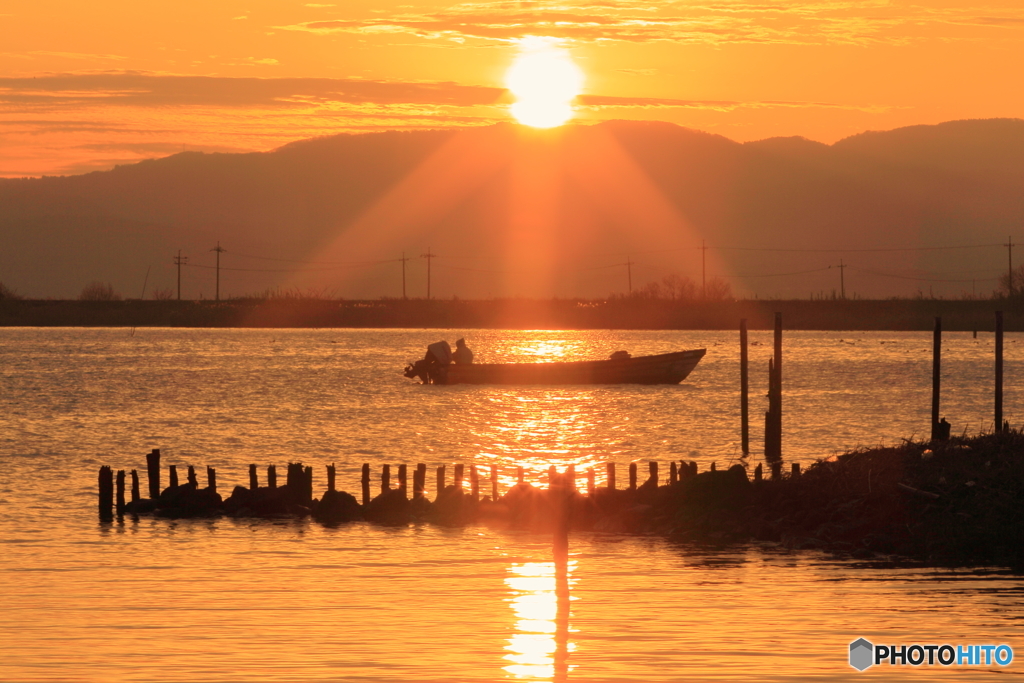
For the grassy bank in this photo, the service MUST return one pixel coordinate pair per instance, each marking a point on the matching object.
(626, 313)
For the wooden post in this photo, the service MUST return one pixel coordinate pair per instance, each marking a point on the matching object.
(330, 477)
(776, 470)
(591, 486)
(366, 483)
(494, 482)
(520, 475)
(795, 470)
(758, 472)
(307, 482)
(673, 473)
(192, 476)
(136, 496)
(172, 476)
(713, 468)
(253, 480)
(106, 485)
(610, 469)
(120, 492)
(211, 479)
(632, 476)
(999, 371)
(653, 468)
(385, 479)
(459, 471)
(744, 390)
(419, 482)
(474, 482)
(153, 471)
(403, 481)
(936, 375)
(271, 476)
(440, 480)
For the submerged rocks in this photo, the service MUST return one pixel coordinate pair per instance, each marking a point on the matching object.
(337, 507)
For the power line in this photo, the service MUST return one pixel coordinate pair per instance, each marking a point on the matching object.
(220, 250)
(180, 261)
(430, 256)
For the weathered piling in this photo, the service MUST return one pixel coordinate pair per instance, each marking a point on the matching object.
(271, 476)
(773, 418)
(758, 472)
(744, 390)
(153, 471)
(795, 470)
(999, 372)
(632, 476)
(936, 376)
(652, 477)
(591, 486)
(192, 476)
(561, 502)
(106, 499)
(610, 469)
(172, 476)
(366, 483)
(520, 475)
(120, 492)
(440, 481)
(494, 482)
(403, 481)
(459, 471)
(211, 479)
(307, 492)
(419, 480)
(714, 468)
(474, 483)
(673, 473)
(385, 478)
(330, 477)
(776, 470)
(254, 482)
(136, 496)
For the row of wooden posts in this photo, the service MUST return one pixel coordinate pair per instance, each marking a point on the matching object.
(301, 478)
(773, 416)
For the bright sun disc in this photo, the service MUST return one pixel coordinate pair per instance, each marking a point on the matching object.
(545, 81)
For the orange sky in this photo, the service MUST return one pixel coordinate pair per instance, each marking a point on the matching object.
(84, 86)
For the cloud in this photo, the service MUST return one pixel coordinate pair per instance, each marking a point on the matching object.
(793, 21)
(598, 102)
(76, 55)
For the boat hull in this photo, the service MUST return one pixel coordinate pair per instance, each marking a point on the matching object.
(666, 368)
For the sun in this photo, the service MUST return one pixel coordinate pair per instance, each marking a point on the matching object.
(545, 81)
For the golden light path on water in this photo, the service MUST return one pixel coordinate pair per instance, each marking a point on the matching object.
(541, 595)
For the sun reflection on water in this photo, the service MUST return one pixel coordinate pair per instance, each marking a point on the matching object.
(540, 647)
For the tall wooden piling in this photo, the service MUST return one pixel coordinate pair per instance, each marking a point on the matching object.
(776, 470)
(307, 486)
(459, 471)
(610, 469)
(673, 473)
(271, 476)
(632, 476)
(653, 472)
(153, 471)
(494, 482)
(136, 496)
(106, 488)
(385, 479)
(419, 482)
(744, 390)
(474, 483)
(440, 480)
(365, 480)
(591, 486)
(330, 477)
(120, 492)
(999, 372)
(211, 479)
(936, 376)
(773, 418)
(403, 481)
(192, 476)
(172, 476)
(254, 482)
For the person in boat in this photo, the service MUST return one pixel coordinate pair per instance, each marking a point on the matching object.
(462, 355)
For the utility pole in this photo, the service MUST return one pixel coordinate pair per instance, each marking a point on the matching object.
(220, 250)
(629, 274)
(1009, 252)
(179, 261)
(429, 255)
(403, 260)
(842, 280)
(703, 271)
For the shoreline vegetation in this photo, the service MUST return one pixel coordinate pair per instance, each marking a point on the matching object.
(550, 314)
(957, 502)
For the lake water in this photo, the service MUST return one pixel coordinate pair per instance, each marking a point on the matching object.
(246, 600)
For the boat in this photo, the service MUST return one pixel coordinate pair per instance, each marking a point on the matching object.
(621, 368)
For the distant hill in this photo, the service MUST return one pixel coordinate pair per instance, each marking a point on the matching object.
(513, 211)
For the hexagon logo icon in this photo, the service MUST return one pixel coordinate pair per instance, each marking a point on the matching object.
(861, 654)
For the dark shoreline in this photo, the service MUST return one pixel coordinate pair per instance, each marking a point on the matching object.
(548, 314)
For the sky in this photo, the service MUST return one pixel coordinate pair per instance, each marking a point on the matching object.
(86, 86)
